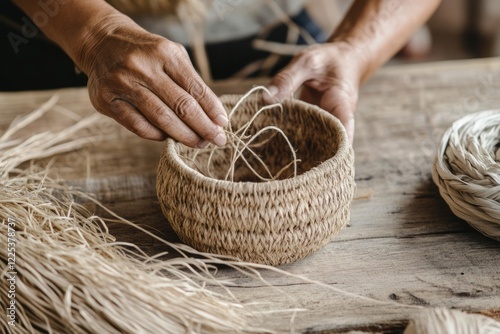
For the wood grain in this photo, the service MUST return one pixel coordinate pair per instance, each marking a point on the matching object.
(403, 245)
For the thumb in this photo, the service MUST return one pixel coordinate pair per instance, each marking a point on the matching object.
(288, 81)
(342, 105)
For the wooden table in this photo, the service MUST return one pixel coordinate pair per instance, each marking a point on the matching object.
(403, 245)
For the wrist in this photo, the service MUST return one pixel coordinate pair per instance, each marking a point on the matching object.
(89, 40)
(355, 55)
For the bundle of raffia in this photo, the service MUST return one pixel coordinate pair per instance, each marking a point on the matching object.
(279, 190)
(467, 170)
(68, 274)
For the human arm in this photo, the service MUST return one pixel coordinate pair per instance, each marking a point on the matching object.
(144, 81)
(330, 74)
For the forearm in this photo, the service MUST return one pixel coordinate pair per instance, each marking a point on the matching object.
(70, 23)
(144, 81)
(377, 29)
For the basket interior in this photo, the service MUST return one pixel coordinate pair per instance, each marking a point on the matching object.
(314, 136)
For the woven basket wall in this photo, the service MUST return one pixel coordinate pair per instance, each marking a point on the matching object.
(272, 222)
(467, 170)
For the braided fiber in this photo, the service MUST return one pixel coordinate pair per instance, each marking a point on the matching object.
(467, 170)
(273, 222)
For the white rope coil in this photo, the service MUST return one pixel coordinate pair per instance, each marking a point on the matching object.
(467, 170)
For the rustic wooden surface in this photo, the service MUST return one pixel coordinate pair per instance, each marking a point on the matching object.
(403, 245)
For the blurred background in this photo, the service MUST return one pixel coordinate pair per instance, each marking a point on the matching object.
(465, 29)
(459, 29)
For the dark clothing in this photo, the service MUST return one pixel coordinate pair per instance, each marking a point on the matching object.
(29, 61)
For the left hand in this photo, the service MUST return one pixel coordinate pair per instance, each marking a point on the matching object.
(329, 75)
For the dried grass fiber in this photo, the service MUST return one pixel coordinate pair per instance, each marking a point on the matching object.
(72, 276)
(467, 170)
(273, 222)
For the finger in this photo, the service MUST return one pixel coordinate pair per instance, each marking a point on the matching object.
(165, 119)
(288, 81)
(188, 110)
(347, 119)
(128, 116)
(184, 75)
(337, 102)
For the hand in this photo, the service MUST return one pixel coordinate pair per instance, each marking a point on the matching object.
(147, 84)
(329, 75)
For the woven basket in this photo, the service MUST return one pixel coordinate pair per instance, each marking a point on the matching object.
(274, 222)
(467, 170)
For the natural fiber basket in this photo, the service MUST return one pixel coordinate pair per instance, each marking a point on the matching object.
(467, 170)
(272, 222)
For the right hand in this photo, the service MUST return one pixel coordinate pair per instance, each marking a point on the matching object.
(329, 75)
(148, 84)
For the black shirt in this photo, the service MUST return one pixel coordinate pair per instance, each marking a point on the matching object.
(28, 60)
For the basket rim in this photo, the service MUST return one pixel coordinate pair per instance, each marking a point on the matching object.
(343, 150)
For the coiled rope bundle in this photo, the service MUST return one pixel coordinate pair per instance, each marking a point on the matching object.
(251, 199)
(467, 170)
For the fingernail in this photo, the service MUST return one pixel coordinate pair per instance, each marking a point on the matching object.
(220, 140)
(273, 90)
(221, 120)
(203, 144)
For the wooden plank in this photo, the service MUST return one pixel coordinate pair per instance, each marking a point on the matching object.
(403, 245)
